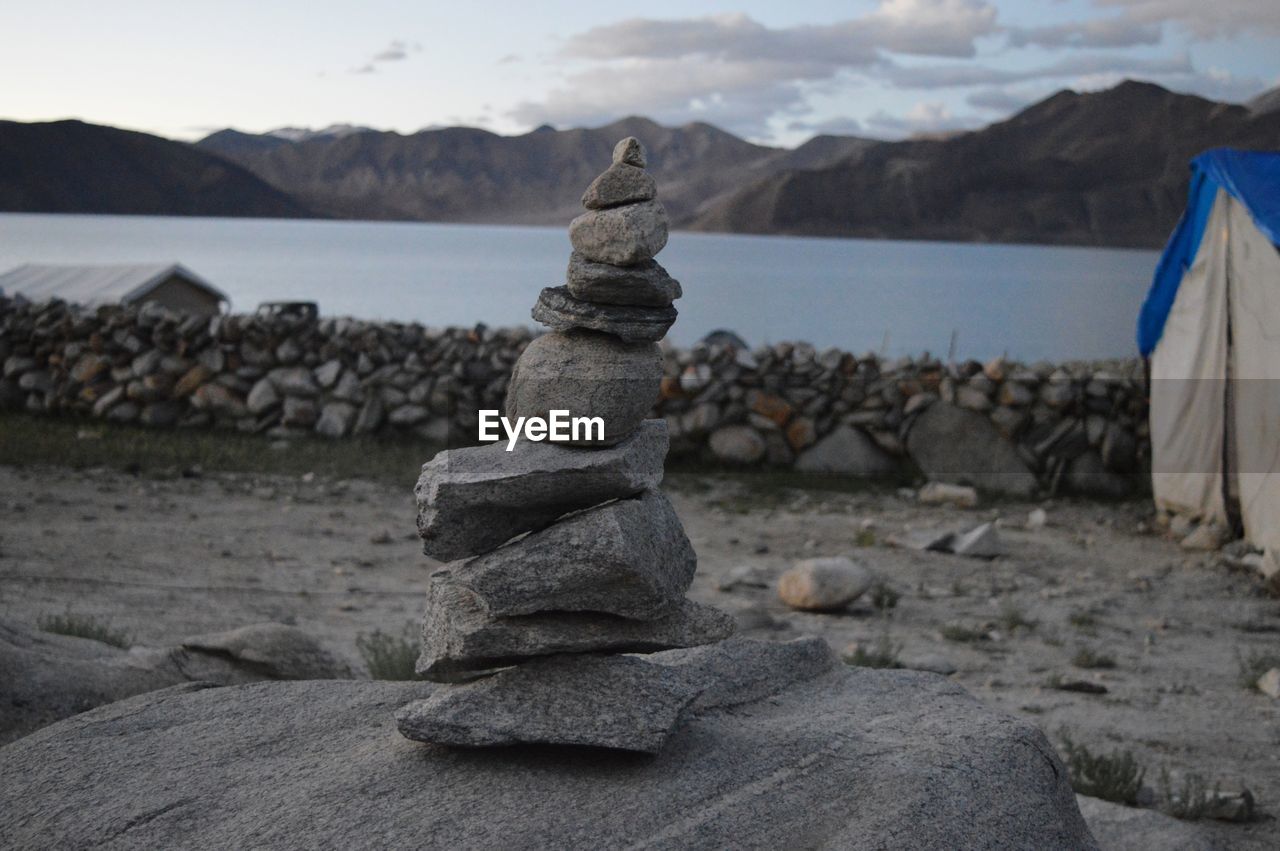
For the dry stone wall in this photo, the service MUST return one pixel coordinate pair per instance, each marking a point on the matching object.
(1075, 427)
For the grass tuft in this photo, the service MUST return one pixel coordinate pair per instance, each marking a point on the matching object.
(1092, 660)
(1115, 777)
(883, 654)
(884, 597)
(389, 657)
(1012, 617)
(963, 634)
(85, 626)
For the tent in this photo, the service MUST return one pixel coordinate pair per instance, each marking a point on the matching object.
(170, 284)
(1211, 328)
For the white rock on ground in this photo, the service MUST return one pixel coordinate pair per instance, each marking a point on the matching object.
(942, 493)
(824, 584)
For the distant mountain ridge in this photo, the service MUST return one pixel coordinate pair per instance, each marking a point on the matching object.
(1105, 168)
(74, 167)
(462, 174)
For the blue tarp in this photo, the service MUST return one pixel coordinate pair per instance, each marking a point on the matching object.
(1253, 179)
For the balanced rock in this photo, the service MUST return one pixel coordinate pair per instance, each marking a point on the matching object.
(471, 500)
(557, 309)
(619, 184)
(619, 702)
(460, 637)
(645, 284)
(588, 374)
(621, 236)
(629, 151)
(629, 558)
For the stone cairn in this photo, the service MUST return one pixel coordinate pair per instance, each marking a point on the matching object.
(561, 557)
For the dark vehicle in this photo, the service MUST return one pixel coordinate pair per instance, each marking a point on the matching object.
(304, 311)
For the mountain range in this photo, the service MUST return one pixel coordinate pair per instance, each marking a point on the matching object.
(1102, 168)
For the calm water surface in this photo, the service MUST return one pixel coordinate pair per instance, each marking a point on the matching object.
(1031, 302)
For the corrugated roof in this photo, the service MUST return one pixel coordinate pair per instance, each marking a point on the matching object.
(94, 285)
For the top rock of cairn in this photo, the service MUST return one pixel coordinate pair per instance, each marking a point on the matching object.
(566, 556)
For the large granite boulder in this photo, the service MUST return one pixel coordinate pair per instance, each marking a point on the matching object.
(854, 758)
(46, 677)
(951, 444)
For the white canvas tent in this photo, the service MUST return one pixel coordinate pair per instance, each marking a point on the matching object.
(170, 284)
(1211, 327)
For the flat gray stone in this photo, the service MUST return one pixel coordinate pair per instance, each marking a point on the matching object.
(459, 637)
(622, 236)
(1116, 826)
(471, 500)
(46, 677)
(588, 374)
(629, 558)
(950, 444)
(557, 309)
(856, 758)
(847, 451)
(645, 284)
(618, 702)
(621, 183)
(274, 650)
(630, 152)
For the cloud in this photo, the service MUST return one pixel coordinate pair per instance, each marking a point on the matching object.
(1203, 19)
(923, 117)
(839, 126)
(739, 73)
(999, 100)
(1103, 32)
(395, 51)
(956, 76)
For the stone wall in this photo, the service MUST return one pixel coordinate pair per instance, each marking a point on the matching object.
(1074, 426)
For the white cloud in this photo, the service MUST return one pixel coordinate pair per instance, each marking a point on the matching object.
(1103, 32)
(1206, 19)
(923, 117)
(736, 72)
(957, 76)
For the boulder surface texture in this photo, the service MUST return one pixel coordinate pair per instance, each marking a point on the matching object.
(854, 758)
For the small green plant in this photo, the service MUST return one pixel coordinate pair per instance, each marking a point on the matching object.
(1092, 659)
(865, 538)
(883, 654)
(963, 634)
(884, 597)
(1082, 619)
(85, 626)
(1012, 617)
(389, 657)
(1114, 777)
(1253, 665)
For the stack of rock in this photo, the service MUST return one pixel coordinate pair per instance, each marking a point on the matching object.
(564, 556)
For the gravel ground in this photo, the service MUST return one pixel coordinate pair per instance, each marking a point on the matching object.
(167, 558)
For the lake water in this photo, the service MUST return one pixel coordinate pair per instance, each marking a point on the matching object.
(896, 297)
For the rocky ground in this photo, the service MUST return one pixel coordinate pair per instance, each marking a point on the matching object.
(164, 558)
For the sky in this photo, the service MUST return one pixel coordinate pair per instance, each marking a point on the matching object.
(774, 72)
